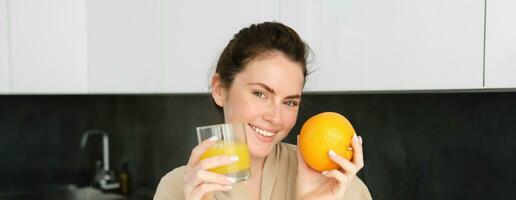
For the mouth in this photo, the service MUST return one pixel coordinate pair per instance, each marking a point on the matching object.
(263, 135)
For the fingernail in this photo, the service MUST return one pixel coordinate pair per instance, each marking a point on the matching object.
(360, 139)
(228, 187)
(332, 153)
(234, 158)
(355, 137)
(231, 179)
(213, 138)
(324, 172)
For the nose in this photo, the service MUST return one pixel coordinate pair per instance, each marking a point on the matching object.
(273, 114)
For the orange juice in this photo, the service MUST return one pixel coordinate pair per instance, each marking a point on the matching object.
(229, 149)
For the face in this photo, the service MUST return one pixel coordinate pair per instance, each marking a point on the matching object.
(265, 96)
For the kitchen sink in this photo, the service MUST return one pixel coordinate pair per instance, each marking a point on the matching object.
(64, 192)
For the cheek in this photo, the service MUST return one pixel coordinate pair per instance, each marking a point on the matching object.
(289, 119)
(240, 109)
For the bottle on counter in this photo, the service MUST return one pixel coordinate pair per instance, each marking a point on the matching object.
(125, 179)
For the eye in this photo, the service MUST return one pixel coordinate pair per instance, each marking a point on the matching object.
(259, 94)
(291, 103)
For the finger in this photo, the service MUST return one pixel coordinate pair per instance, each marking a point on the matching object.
(346, 165)
(212, 177)
(191, 177)
(358, 154)
(216, 161)
(336, 174)
(300, 160)
(203, 176)
(205, 188)
(200, 149)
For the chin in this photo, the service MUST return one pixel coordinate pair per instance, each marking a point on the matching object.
(260, 152)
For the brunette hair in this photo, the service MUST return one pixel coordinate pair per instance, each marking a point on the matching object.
(256, 40)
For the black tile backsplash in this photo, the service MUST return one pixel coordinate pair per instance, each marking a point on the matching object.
(418, 146)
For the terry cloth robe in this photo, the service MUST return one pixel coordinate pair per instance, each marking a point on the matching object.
(278, 180)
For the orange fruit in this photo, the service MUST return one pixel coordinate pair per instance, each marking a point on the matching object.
(322, 132)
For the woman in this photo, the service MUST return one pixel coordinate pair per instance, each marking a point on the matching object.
(259, 79)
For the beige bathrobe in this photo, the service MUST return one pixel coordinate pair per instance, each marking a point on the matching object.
(278, 180)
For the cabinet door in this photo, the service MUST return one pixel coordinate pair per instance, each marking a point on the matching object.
(195, 33)
(124, 43)
(162, 46)
(4, 49)
(500, 69)
(390, 45)
(47, 46)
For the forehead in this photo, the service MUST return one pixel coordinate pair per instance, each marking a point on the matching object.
(274, 70)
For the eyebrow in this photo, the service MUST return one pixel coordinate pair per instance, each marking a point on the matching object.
(270, 90)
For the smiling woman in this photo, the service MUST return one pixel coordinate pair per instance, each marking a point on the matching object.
(261, 96)
(258, 81)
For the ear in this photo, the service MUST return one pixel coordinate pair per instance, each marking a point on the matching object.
(218, 92)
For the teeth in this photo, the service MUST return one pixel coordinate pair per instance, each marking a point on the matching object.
(262, 132)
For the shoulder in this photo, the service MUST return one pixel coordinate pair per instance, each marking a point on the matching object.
(171, 185)
(290, 152)
(289, 148)
(358, 190)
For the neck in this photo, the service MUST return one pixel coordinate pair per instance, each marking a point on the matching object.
(257, 166)
(253, 185)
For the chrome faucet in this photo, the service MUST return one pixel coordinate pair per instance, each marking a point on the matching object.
(104, 177)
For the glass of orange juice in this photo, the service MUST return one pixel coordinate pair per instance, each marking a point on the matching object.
(231, 142)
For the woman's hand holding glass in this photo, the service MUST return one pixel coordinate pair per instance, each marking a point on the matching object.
(332, 184)
(198, 180)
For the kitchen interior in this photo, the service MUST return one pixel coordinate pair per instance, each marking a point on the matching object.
(100, 99)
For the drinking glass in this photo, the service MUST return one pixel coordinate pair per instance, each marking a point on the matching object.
(231, 142)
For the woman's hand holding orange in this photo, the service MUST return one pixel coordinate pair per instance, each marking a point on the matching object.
(332, 184)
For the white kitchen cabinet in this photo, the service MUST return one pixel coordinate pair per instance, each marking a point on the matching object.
(500, 63)
(166, 46)
(4, 49)
(195, 33)
(390, 45)
(162, 46)
(124, 46)
(47, 51)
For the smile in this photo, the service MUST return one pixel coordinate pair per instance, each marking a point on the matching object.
(261, 131)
